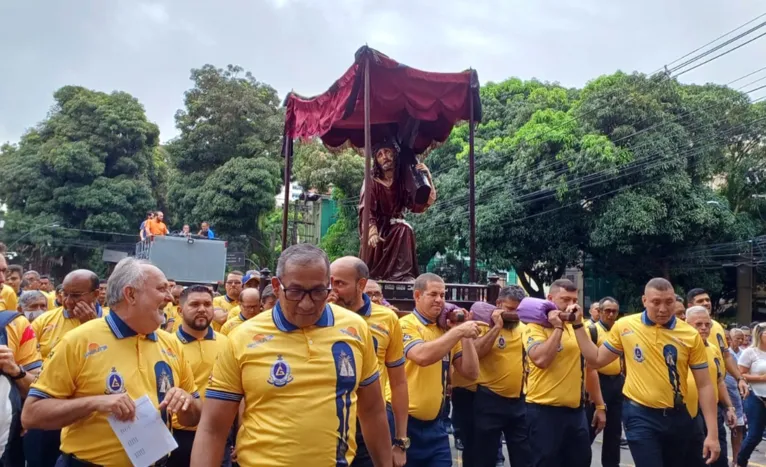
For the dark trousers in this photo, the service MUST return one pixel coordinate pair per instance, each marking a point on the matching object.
(495, 415)
(462, 420)
(362, 457)
(558, 436)
(694, 458)
(611, 391)
(755, 410)
(657, 437)
(181, 456)
(66, 460)
(429, 442)
(41, 447)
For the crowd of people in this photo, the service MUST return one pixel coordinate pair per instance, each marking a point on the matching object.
(154, 226)
(316, 368)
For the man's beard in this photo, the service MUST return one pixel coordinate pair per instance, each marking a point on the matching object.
(198, 323)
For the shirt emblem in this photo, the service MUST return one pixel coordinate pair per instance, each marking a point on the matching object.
(638, 354)
(94, 348)
(351, 332)
(501, 343)
(407, 337)
(626, 331)
(280, 373)
(345, 368)
(115, 383)
(380, 328)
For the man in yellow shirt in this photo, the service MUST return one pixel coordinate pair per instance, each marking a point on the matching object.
(349, 278)
(225, 303)
(558, 427)
(33, 304)
(429, 351)
(498, 406)
(80, 289)
(699, 318)
(249, 306)
(660, 350)
(306, 371)
(102, 294)
(611, 381)
(251, 280)
(595, 314)
(201, 347)
(13, 280)
(172, 310)
(100, 368)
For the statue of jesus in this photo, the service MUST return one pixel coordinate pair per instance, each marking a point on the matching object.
(391, 241)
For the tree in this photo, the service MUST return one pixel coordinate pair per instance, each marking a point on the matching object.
(225, 162)
(85, 167)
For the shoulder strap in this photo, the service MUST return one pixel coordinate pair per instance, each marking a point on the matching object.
(5, 319)
(593, 333)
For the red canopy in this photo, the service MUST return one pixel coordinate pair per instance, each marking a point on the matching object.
(399, 96)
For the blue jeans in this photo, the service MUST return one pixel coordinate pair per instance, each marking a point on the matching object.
(657, 437)
(755, 410)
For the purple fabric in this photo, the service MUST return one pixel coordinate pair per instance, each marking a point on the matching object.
(535, 310)
(442, 319)
(482, 311)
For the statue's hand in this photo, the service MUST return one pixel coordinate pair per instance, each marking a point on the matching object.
(374, 240)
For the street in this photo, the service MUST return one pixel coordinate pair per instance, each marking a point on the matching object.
(757, 460)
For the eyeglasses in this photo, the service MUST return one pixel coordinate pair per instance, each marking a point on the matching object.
(296, 295)
(74, 296)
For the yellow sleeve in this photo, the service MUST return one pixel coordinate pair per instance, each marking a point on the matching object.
(187, 375)
(226, 378)
(720, 336)
(57, 378)
(370, 371)
(613, 340)
(533, 336)
(411, 335)
(10, 298)
(698, 355)
(395, 351)
(225, 329)
(457, 351)
(23, 342)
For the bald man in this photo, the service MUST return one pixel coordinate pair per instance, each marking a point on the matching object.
(249, 306)
(349, 277)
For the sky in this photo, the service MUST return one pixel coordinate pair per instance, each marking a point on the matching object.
(148, 47)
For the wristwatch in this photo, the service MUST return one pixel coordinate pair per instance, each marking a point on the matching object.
(21, 374)
(402, 443)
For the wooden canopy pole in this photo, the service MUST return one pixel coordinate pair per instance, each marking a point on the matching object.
(367, 160)
(288, 153)
(471, 188)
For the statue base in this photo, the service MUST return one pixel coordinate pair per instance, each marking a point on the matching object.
(400, 295)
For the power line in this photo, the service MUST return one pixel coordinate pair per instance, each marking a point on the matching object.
(720, 55)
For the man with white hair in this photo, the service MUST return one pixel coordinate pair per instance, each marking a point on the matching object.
(32, 303)
(98, 369)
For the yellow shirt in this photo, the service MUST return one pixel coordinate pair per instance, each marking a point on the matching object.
(457, 380)
(613, 368)
(8, 298)
(717, 337)
(225, 303)
(23, 343)
(233, 313)
(658, 360)
(502, 369)
(105, 356)
(173, 315)
(51, 296)
(386, 338)
(232, 324)
(52, 325)
(298, 385)
(426, 385)
(717, 373)
(201, 355)
(561, 384)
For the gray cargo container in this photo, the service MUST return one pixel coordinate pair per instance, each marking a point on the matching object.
(186, 260)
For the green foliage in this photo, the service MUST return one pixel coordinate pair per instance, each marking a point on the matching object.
(226, 162)
(89, 165)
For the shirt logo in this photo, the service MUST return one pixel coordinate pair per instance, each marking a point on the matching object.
(94, 348)
(638, 354)
(501, 343)
(351, 332)
(48, 328)
(115, 384)
(280, 373)
(259, 339)
(626, 331)
(407, 337)
(381, 329)
(345, 368)
(169, 353)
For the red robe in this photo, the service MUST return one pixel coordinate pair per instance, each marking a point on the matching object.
(394, 258)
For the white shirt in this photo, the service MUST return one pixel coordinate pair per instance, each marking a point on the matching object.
(755, 359)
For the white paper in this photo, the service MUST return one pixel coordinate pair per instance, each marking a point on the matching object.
(146, 439)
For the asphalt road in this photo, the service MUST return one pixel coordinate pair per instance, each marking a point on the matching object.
(757, 460)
